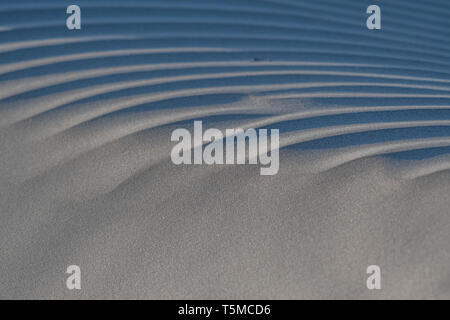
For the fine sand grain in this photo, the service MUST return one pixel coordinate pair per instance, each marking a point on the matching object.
(86, 176)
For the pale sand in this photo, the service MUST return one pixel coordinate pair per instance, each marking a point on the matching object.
(86, 176)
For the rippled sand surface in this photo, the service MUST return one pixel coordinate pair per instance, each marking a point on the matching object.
(86, 176)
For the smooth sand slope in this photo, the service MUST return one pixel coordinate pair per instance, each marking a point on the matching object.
(86, 176)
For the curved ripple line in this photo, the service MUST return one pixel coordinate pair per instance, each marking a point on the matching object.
(226, 21)
(68, 121)
(33, 44)
(380, 149)
(109, 135)
(11, 88)
(297, 137)
(293, 50)
(23, 65)
(22, 115)
(335, 47)
(285, 139)
(400, 146)
(310, 7)
(427, 168)
(433, 55)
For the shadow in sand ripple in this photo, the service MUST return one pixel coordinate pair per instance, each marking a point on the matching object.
(86, 176)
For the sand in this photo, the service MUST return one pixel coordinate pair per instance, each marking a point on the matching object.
(85, 171)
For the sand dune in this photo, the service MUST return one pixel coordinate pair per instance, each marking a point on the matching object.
(86, 176)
